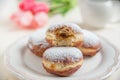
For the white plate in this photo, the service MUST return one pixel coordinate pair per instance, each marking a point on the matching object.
(26, 66)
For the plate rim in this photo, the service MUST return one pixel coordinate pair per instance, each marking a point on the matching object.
(23, 76)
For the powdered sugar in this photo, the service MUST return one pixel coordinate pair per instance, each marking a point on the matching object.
(75, 27)
(61, 53)
(44, 43)
(90, 39)
(38, 38)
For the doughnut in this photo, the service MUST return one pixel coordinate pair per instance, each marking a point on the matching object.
(64, 34)
(37, 43)
(62, 61)
(91, 44)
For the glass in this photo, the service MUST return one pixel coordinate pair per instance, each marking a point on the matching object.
(99, 13)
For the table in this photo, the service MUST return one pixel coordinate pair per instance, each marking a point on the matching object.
(10, 33)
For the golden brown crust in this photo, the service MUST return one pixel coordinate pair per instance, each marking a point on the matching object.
(62, 73)
(61, 69)
(90, 51)
(37, 49)
(93, 46)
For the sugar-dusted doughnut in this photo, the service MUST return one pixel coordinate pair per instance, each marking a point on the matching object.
(91, 43)
(37, 43)
(64, 34)
(62, 61)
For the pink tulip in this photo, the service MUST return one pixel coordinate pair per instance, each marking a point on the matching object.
(22, 19)
(40, 7)
(41, 18)
(25, 19)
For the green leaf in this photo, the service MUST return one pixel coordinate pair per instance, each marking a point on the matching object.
(61, 6)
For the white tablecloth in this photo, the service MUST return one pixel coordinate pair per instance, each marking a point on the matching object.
(10, 33)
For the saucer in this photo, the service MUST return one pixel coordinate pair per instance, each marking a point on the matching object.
(27, 66)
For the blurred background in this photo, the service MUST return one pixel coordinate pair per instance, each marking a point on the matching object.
(21, 17)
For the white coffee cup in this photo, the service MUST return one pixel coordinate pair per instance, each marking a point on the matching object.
(99, 13)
